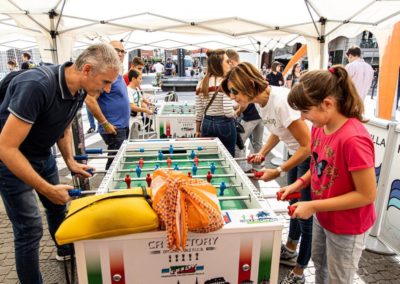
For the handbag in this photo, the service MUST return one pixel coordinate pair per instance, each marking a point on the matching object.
(108, 215)
(239, 127)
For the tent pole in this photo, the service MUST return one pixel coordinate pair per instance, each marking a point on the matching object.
(259, 55)
(53, 34)
(321, 39)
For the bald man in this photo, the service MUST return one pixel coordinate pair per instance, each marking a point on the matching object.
(112, 109)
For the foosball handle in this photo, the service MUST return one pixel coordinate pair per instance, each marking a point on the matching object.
(82, 157)
(94, 151)
(294, 195)
(90, 171)
(291, 209)
(250, 158)
(76, 192)
(258, 174)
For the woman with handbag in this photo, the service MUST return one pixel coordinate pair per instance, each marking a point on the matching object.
(245, 84)
(214, 110)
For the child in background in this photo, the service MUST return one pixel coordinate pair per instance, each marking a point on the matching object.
(342, 177)
(137, 102)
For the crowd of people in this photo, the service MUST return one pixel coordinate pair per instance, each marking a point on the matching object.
(317, 115)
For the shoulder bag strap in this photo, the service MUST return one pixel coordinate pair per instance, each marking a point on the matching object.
(213, 98)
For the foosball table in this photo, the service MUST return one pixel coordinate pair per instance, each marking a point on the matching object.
(245, 250)
(176, 120)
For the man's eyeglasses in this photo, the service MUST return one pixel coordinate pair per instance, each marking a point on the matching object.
(120, 50)
(233, 91)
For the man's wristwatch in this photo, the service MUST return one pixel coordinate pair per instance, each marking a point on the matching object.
(280, 171)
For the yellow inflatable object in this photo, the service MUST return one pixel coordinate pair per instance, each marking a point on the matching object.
(107, 215)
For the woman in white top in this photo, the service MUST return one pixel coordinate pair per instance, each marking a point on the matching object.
(245, 84)
(214, 110)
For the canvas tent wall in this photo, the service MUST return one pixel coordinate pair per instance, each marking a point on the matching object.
(58, 25)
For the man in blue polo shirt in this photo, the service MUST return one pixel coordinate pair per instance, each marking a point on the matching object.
(36, 113)
(112, 109)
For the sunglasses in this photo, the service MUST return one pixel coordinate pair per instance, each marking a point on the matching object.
(233, 91)
(120, 50)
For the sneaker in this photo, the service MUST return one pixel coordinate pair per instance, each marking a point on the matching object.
(62, 257)
(292, 278)
(91, 130)
(64, 252)
(287, 257)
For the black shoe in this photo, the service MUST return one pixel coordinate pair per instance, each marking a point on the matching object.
(91, 130)
(65, 252)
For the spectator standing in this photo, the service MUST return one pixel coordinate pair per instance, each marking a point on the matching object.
(214, 110)
(158, 68)
(26, 61)
(360, 72)
(138, 103)
(12, 65)
(112, 110)
(136, 64)
(294, 76)
(275, 77)
(169, 67)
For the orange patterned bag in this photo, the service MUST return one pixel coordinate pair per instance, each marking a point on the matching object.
(184, 204)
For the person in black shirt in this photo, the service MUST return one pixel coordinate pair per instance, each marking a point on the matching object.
(275, 77)
(36, 113)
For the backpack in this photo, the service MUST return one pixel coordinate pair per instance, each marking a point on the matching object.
(10, 76)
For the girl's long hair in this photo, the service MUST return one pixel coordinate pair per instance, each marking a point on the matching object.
(315, 86)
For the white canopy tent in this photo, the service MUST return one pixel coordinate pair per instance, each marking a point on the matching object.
(59, 25)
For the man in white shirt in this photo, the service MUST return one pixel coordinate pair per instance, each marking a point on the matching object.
(360, 71)
(158, 67)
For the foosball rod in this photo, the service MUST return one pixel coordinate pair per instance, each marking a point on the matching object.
(169, 168)
(177, 148)
(257, 174)
(78, 193)
(84, 157)
(142, 150)
(174, 161)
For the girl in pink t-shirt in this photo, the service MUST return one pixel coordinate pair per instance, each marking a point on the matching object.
(341, 175)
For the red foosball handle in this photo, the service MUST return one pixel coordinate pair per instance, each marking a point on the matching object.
(295, 195)
(258, 174)
(291, 209)
(251, 158)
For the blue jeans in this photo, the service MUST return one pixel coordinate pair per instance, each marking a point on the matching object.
(91, 119)
(23, 211)
(114, 142)
(222, 128)
(300, 227)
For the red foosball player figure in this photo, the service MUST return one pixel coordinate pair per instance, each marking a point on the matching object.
(128, 181)
(141, 162)
(209, 177)
(196, 161)
(169, 162)
(189, 174)
(148, 180)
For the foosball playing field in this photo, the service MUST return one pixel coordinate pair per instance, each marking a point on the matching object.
(245, 250)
